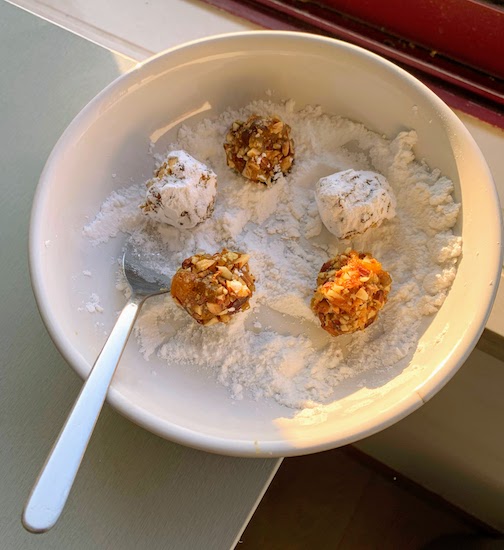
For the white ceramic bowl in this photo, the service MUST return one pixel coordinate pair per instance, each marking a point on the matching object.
(200, 79)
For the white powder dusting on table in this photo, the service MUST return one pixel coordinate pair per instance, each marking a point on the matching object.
(277, 349)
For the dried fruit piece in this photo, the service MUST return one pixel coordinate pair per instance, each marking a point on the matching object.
(351, 290)
(260, 149)
(212, 288)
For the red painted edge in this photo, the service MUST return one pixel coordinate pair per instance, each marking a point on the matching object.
(458, 86)
(468, 30)
(408, 53)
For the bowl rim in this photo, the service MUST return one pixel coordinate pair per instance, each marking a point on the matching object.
(243, 447)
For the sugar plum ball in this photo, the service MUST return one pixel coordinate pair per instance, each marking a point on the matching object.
(182, 192)
(351, 289)
(213, 288)
(352, 201)
(260, 149)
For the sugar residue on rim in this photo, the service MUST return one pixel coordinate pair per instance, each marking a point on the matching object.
(276, 349)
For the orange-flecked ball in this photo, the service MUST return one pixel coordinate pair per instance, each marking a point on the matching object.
(351, 289)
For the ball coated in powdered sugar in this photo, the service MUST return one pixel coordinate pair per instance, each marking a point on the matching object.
(352, 201)
(182, 192)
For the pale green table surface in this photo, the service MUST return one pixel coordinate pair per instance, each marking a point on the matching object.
(134, 490)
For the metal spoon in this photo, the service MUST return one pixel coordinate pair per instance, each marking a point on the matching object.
(50, 492)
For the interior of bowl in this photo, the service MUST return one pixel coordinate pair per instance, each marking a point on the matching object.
(107, 146)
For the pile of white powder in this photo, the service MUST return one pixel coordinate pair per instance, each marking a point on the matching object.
(277, 348)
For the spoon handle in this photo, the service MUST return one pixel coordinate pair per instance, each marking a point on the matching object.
(50, 492)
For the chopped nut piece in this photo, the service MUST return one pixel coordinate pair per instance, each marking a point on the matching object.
(212, 288)
(214, 308)
(352, 288)
(237, 287)
(204, 264)
(225, 272)
(242, 260)
(232, 256)
(362, 294)
(261, 148)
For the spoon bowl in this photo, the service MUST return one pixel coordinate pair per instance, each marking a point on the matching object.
(142, 280)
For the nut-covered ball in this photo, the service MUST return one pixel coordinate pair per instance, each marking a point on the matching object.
(260, 149)
(212, 288)
(351, 290)
(182, 192)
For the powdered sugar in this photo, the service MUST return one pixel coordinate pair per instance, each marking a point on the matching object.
(93, 304)
(277, 349)
(119, 213)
